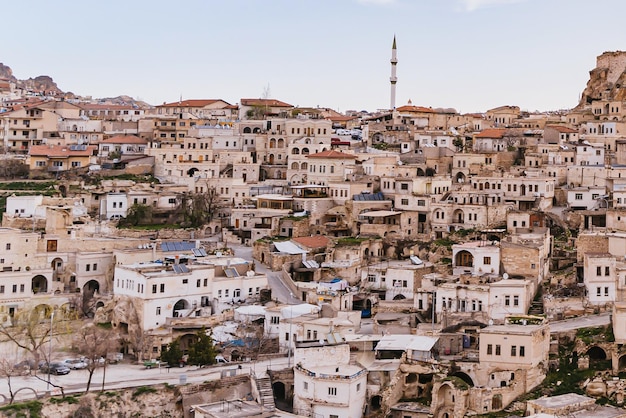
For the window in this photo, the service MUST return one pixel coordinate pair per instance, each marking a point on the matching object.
(332, 391)
(95, 266)
(404, 202)
(498, 349)
(358, 387)
(507, 300)
(598, 291)
(226, 293)
(154, 288)
(275, 320)
(185, 281)
(305, 385)
(8, 246)
(158, 310)
(219, 293)
(513, 351)
(607, 271)
(486, 260)
(14, 288)
(22, 288)
(88, 267)
(489, 349)
(606, 291)
(162, 289)
(404, 186)
(598, 271)
(1, 288)
(515, 300)
(578, 196)
(522, 351)
(75, 164)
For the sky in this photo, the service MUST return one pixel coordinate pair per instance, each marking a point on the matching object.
(470, 55)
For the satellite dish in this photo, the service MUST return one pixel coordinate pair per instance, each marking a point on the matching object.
(505, 276)
(321, 341)
(490, 322)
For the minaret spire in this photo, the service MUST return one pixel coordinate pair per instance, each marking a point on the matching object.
(393, 79)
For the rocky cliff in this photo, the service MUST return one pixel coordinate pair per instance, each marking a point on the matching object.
(42, 83)
(608, 80)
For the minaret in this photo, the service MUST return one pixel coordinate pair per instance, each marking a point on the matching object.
(393, 79)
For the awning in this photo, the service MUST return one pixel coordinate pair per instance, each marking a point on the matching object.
(401, 342)
(288, 247)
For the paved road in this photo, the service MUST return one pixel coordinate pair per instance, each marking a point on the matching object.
(279, 290)
(119, 376)
(581, 322)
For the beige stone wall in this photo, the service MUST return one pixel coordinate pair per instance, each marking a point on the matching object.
(591, 243)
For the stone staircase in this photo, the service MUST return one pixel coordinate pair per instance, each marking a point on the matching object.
(536, 307)
(266, 394)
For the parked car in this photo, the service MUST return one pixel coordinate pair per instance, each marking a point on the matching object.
(151, 363)
(220, 359)
(56, 367)
(75, 363)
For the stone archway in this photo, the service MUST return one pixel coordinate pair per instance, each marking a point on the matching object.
(180, 307)
(621, 363)
(39, 284)
(460, 177)
(464, 259)
(464, 377)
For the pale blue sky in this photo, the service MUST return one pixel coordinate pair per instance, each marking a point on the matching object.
(471, 55)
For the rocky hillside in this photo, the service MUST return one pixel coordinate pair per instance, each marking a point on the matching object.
(42, 83)
(154, 402)
(608, 80)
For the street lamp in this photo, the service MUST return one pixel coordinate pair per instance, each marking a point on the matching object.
(50, 350)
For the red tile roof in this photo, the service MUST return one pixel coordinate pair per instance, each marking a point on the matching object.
(264, 102)
(491, 133)
(124, 139)
(333, 154)
(315, 241)
(57, 151)
(193, 103)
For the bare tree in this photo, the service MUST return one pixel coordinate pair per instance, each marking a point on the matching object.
(7, 370)
(31, 330)
(197, 209)
(94, 342)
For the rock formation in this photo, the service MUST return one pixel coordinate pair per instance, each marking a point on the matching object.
(608, 80)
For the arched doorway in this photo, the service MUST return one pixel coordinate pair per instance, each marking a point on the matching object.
(192, 171)
(445, 396)
(621, 364)
(464, 259)
(42, 311)
(279, 391)
(57, 267)
(420, 172)
(460, 177)
(399, 297)
(247, 130)
(91, 288)
(597, 358)
(39, 284)
(180, 308)
(185, 341)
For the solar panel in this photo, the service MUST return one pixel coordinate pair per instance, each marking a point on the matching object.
(231, 272)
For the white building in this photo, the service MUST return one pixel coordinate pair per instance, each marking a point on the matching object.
(600, 275)
(115, 206)
(172, 291)
(326, 384)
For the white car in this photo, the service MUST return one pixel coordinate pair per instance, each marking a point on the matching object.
(75, 363)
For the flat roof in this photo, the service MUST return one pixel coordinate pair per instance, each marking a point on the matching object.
(561, 401)
(379, 213)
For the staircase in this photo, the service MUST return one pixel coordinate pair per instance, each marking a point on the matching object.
(536, 308)
(266, 394)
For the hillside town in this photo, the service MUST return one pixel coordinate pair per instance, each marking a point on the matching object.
(408, 262)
